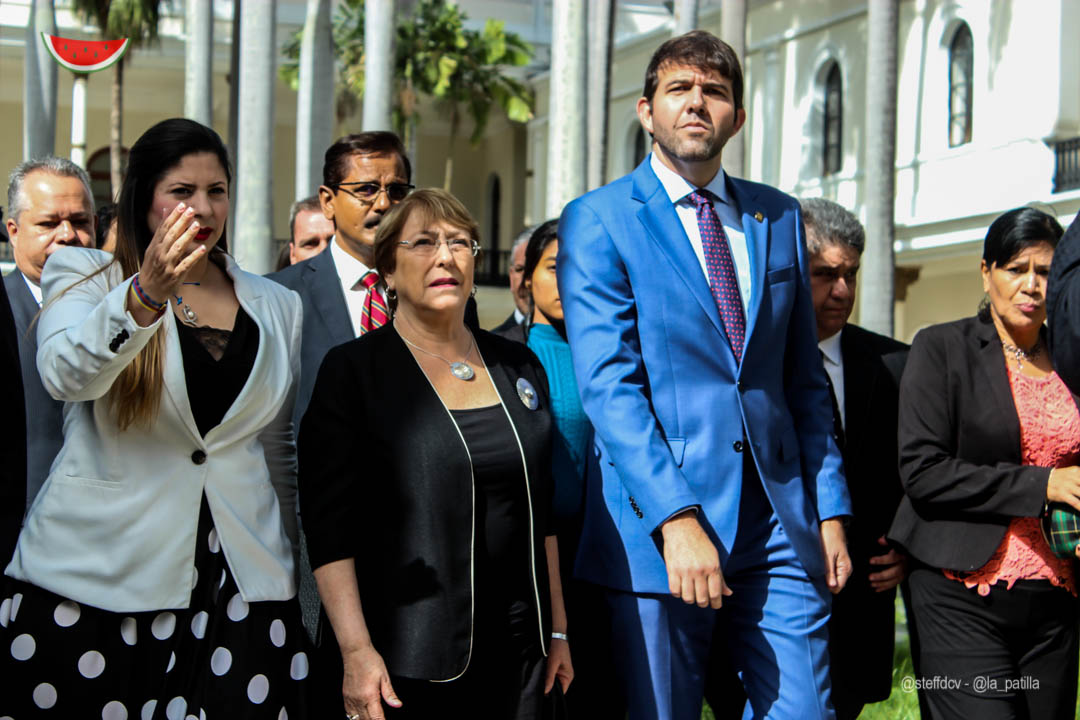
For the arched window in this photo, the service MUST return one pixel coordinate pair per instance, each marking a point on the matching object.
(100, 175)
(831, 129)
(960, 80)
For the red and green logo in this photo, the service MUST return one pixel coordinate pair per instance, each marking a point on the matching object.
(85, 56)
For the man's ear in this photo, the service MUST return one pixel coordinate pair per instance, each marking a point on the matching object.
(12, 230)
(644, 113)
(326, 201)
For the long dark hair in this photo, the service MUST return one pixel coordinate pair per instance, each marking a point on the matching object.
(1012, 233)
(136, 393)
(542, 236)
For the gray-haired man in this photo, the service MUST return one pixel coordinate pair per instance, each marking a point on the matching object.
(50, 206)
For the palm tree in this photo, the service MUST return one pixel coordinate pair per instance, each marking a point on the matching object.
(315, 98)
(601, 22)
(462, 70)
(876, 306)
(686, 15)
(733, 32)
(136, 20)
(199, 61)
(566, 165)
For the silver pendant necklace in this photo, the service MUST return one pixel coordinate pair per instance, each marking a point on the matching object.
(1021, 355)
(459, 369)
(185, 310)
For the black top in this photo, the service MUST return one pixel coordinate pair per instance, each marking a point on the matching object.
(502, 514)
(213, 384)
(386, 480)
(960, 455)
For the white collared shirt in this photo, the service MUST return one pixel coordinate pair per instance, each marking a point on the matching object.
(35, 289)
(350, 271)
(678, 190)
(834, 366)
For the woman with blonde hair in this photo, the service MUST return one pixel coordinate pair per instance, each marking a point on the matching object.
(154, 575)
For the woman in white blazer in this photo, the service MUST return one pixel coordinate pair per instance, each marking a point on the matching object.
(154, 574)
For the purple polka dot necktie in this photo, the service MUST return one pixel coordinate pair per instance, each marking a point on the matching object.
(721, 270)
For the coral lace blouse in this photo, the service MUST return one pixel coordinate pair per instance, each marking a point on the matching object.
(1049, 437)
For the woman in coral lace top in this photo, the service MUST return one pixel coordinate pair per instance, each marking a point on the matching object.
(989, 435)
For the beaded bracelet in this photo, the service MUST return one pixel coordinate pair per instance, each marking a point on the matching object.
(143, 299)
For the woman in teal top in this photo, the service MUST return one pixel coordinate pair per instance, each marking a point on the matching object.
(594, 692)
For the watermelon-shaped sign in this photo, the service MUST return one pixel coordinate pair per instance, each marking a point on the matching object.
(85, 56)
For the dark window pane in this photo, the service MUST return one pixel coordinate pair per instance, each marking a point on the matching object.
(831, 131)
(961, 70)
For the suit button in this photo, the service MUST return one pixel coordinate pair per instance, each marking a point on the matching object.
(198, 457)
(741, 386)
(737, 446)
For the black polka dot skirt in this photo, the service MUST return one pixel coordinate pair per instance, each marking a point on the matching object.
(219, 658)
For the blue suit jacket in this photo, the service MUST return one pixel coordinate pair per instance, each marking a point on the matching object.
(670, 406)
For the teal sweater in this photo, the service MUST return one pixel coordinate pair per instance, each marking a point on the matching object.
(572, 432)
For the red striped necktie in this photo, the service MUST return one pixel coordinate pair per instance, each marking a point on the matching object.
(375, 313)
(721, 270)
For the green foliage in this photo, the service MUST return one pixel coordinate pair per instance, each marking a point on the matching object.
(136, 20)
(434, 55)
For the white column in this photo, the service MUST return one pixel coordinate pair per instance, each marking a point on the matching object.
(566, 110)
(733, 32)
(378, 64)
(199, 62)
(686, 15)
(255, 152)
(601, 25)
(39, 84)
(78, 120)
(315, 98)
(877, 296)
(234, 106)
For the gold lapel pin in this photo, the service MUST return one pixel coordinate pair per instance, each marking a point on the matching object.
(758, 216)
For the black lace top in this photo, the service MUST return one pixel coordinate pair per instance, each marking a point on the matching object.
(216, 366)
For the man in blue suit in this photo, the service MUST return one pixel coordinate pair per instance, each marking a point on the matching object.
(716, 498)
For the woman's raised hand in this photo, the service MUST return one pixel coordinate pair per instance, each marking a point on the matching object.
(171, 253)
(366, 684)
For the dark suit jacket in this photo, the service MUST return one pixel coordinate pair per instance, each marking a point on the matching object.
(1063, 307)
(13, 413)
(861, 629)
(326, 317)
(44, 415)
(385, 479)
(507, 324)
(960, 456)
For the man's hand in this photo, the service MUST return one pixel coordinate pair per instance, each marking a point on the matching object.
(892, 568)
(693, 564)
(837, 561)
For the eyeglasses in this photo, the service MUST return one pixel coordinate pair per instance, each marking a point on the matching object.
(366, 192)
(427, 246)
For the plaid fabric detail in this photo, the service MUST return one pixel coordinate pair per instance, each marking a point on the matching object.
(1061, 526)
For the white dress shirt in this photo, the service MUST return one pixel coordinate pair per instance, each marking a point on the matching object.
(834, 366)
(350, 271)
(678, 189)
(35, 289)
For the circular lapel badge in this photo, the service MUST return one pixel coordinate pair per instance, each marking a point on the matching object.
(527, 393)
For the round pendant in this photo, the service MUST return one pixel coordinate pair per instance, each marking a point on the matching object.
(462, 371)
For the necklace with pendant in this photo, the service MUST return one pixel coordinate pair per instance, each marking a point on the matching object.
(186, 313)
(1021, 355)
(460, 369)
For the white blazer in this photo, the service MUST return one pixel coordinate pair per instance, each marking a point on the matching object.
(114, 525)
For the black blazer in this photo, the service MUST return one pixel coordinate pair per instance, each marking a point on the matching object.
(862, 626)
(386, 479)
(13, 465)
(44, 415)
(1063, 307)
(960, 457)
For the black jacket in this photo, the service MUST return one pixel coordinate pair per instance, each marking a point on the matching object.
(386, 479)
(13, 465)
(1063, 307)
(862, 626)
(960, 455)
